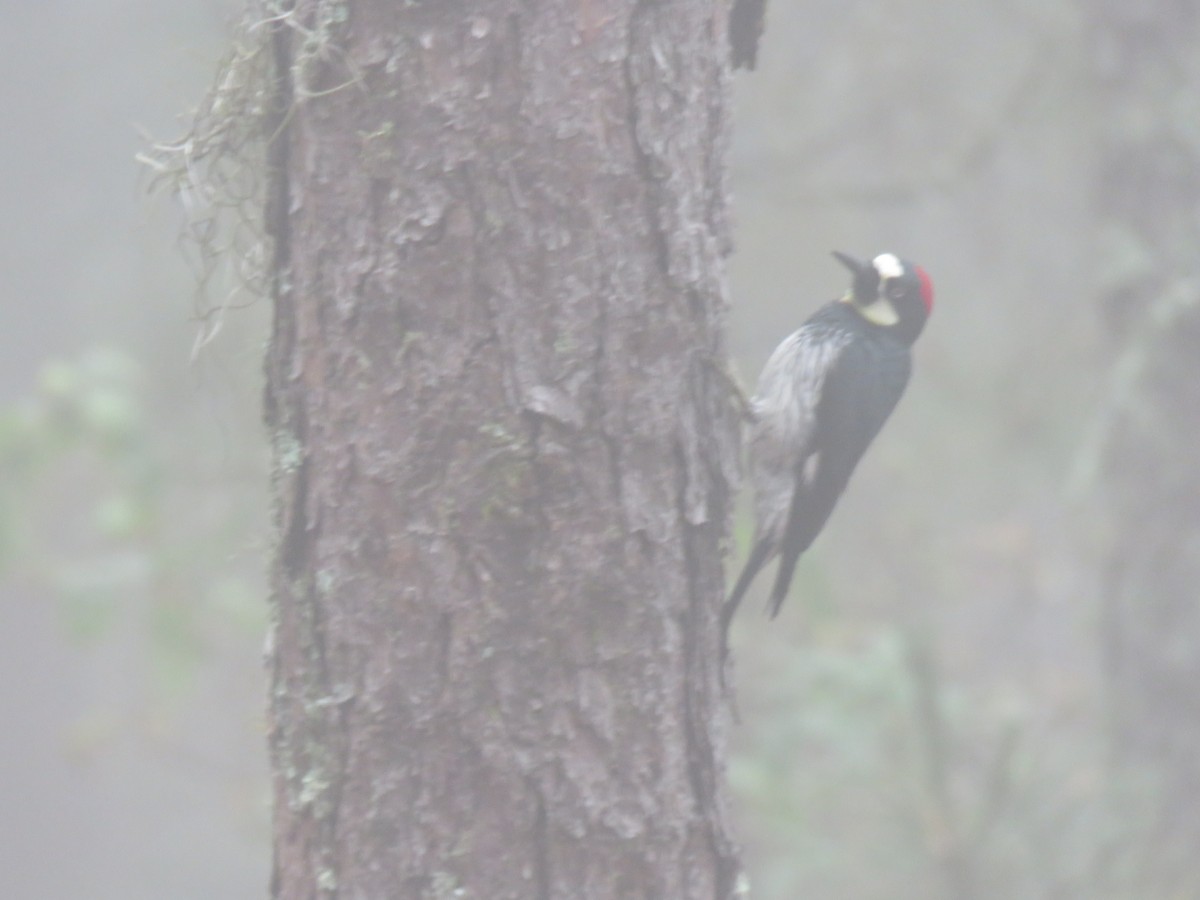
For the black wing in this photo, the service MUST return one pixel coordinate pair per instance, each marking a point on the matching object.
(782, 438)
(860, 390)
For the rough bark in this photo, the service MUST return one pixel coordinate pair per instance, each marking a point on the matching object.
(503, 450)
(1148, 195)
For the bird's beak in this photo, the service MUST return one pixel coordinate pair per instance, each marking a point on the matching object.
(849, 262)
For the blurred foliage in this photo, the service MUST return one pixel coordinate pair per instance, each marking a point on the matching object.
(879, 777)
(88, 509)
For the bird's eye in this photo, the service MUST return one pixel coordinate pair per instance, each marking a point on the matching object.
(894, 289)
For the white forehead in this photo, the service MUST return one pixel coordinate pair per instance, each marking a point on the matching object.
(888, 266)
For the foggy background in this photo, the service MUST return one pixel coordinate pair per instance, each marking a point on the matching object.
(928, 710)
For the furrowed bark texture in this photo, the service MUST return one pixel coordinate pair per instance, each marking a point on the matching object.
(503, 448)
(1149, 193)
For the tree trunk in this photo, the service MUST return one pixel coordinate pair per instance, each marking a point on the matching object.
(503, 450)
(1149, 194)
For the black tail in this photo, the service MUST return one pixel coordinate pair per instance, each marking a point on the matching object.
(783, 578)
(811, 505)
(758, 558)
(803, 524)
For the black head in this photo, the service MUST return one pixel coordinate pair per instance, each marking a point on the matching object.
(890, 293)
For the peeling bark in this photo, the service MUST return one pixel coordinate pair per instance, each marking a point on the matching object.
(503, 450)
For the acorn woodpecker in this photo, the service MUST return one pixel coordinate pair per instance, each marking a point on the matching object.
(822, 397)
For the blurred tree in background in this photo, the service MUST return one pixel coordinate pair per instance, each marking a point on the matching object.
(980, 686)
(1145, 471)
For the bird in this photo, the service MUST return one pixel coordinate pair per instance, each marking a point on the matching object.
(822, 397)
